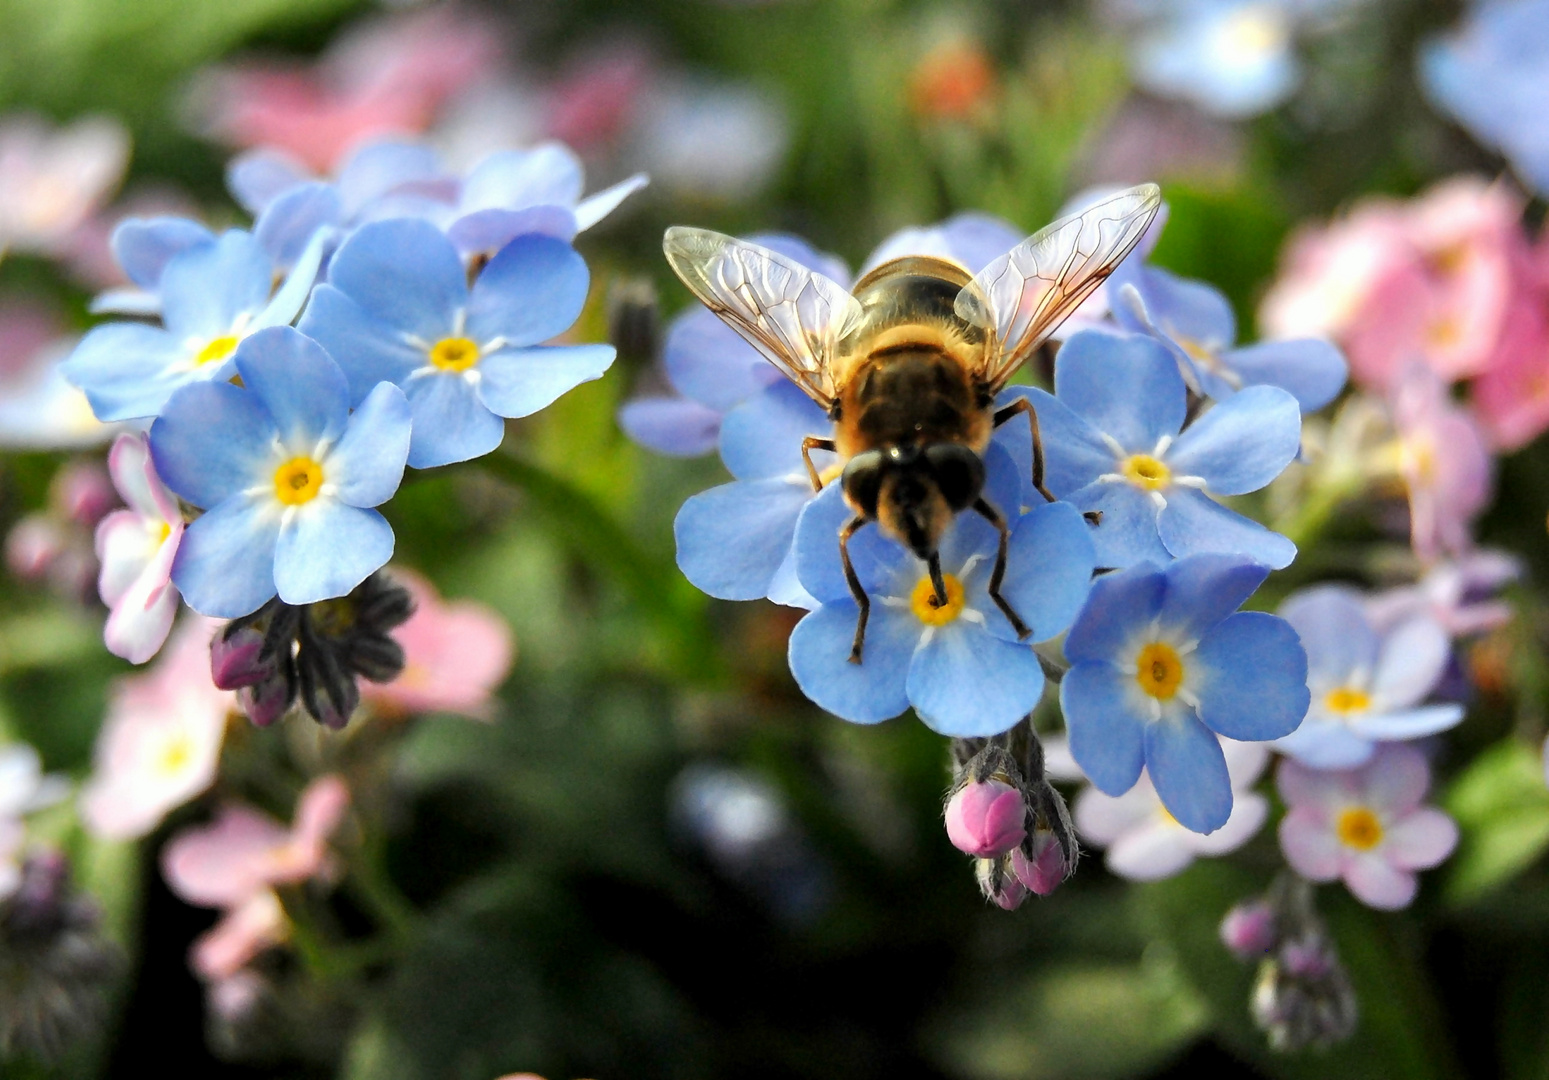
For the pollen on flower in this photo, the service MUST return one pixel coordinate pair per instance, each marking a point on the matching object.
(217, 349)
(297, 481)
(922, 601)
(1345, 700)
(454, 354)
(1359, 828)
(1159, 670)
(1145, 471)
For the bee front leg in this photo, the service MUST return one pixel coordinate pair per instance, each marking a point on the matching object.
(809, 444)
(995, 518)
(1022, 405)
(852, 579)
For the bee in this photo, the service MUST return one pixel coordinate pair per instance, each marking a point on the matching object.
(908, 366)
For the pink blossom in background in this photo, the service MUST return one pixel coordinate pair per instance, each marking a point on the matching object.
(1459, 594)
(390, 76)
(54, 545)
(53, 179)
(160, 741)
(594, 98)
(1444, 463)
(1511, 398)
(136, 547)
(39, 410)
(256, 924)
(1365, 825)
(455, 655)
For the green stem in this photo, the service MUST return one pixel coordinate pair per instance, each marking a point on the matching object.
(1307, 522)
(371, 886)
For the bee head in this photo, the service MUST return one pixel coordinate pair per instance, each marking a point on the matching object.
(913, 492)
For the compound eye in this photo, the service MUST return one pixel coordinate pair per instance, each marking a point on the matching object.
(959, 473)
(862, 481)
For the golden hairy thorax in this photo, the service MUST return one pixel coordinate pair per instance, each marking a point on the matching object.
(906, 373)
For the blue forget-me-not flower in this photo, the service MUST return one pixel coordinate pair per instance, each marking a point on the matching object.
(286, 475)
(1161, 663)
(398, 307)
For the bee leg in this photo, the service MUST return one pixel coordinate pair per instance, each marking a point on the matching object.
(994, 517)
(1022, 405)
(852, 579)
(809, 444)
(937, 581)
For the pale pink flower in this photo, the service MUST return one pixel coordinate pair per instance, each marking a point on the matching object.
(39, 410)
(1365, 825)
(23, 789)
(161, 740)
(53, 179)
(136, 548)
(1459, 594)
(455, 654)
(256, 924)
(1444, 463)
(1511, 398)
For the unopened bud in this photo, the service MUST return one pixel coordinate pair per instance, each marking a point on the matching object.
(1040, 863)
(267, 701)
(83, 491)
(1303, 996)
(999, 883)
(237, 660)
(1250, 930)
(986, 818)
(32, 546)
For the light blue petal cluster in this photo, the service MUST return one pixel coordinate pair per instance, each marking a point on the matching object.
(1243, 676)
(221, 447)
(1232, 58)
(397, 289)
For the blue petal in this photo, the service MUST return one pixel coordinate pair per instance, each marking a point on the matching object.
(675, 426)
(1192, 524)
(519, 382)
(1204, 589)
(144, 247)
(491, 230)
(818, 566)
(126, 369)
(1188, 769)
(1253, 678)
(206, 287)
(287, 301)
(863, 693)
(366, 465)
(1310, 370)
(298, 383)
(213, 441)
(532, 290)
(327, 549)
(592, 209)
(376, 170)
(733, 539)
(1048, 572)
(1107, 735)
(366, 349)
(762, 437)
(1074, 454)
(1326, 745)
(256, 178)
(1125, 385)
(1241, 443)
(1334, 631)
(549, 173)
(293, 218)
(1118, 606)
(1408, 723)
(1188, 312)
(1126, 532)
(450, 422)
(967, 684)
(224, 565)
(709, 362)
(405, 273)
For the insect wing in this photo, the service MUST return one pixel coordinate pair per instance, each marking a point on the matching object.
(794, 316)
(1023, 296)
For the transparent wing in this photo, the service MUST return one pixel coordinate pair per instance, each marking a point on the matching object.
(1023, 296)
(794, 316)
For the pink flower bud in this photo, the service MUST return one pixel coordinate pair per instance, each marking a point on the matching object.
(999, 884)
(234, 659)
(83, 491)
(1046, 869)
(986, 819)
(1249, 930)
(32, 546)
(267, 701)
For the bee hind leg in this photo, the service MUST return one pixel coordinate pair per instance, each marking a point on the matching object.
(809, 444)
(995, 518)
(852, 579)
(1022, 405)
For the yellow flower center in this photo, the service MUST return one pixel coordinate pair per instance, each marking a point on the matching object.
(454, 354)
(218, 349)
(1255, 32)
(163, 531)
(1444, 332)
(297, 481)
(175, 755)
(1359, 828)
(923, 601)
(1158, 670)
(1345, 700)
(1145, 471)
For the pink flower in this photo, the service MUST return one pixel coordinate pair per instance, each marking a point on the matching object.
(136, 548)
(258, 923)
(1365, 825)
(160, 743)
(1511, 398)
(455, 654)
(1459, 594)
(986, 818)
(1444, 463)
(51, 180)
(1146, 843)
(39, 410)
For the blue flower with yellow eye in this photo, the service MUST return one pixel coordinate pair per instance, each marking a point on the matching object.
(1115, 447)
(1162, 662)
(958, 664)
(286, 475)
(398, 307)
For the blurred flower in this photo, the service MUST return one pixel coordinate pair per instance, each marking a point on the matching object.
(1161, 664)
(1146, 843)
(1459, 594)
(1113, 447)
(719, 142)
(455, 655)
(595, 97)
(1446, 467)
(1366, 686)
(955, 80)
(136, 547)
(256, 923)
(51, 180)
(39, 409)
(1492, 76)
(1511, 398)
(286, 475)
(55, 543)
(1233, 58)
(160, 741)
(971, 239)
(23, 789)
(1365, 825)
(1249, 929)
(389, 76)
(1303, 996)
(1163, 140)
(398, 308)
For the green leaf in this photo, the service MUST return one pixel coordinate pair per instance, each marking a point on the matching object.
(1502, 808)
